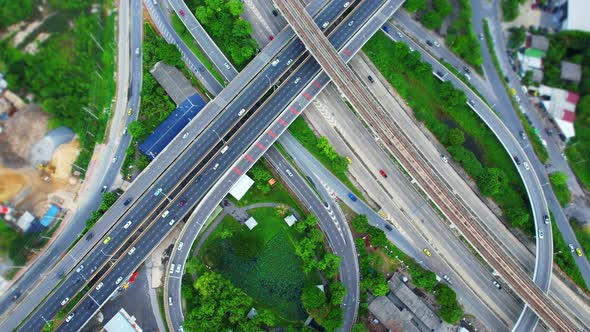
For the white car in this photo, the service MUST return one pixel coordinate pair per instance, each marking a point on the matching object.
(241, 112)
(65, 301)
(216, 166)
(171, 268)
(70, 316)
(165, 214)
(118, 280)
(131, 251)
(325, 25)
(171, 222)
(275, 62)
(526, 165)
(114, 160)
(346, 4)
(289, 61)
(158, 192)
(185, 135)
(444, 158)
(127, 224)
(572, 249)
(170, 300)
(99, 286)
(540, 234)
(226, 65)
(297, 80)
(180, 245)
(80, 268)
(351, 23)
(289, 173)
(178, 268)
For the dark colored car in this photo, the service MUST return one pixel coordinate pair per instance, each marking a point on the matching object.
(271, 37)
(181, 12)
(517, 160)
(275, 13)
(181, 203)
(104, 188)
(382, 172)
(429, 43)
(388, 227)
(352, 197)
(127, 201)
(90, 236)
(371, 79)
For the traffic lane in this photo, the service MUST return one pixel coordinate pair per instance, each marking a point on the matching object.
(482, 277)
(292, 89)
(203, 39)
(331, 224)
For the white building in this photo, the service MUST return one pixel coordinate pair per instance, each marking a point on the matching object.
(241, 187)
(577, 16)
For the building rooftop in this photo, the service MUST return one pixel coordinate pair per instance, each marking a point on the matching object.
(561, 106)
(571, 72)
(122, 322)
(392, 317)
(173, 125)
(290, 220)
(577, 16)
(251, 223)
(173, 81)
(414, 304)
(241, 187)
(538, 42)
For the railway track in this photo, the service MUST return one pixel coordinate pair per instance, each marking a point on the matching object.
(410, 157)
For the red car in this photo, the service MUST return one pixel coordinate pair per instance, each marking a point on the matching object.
(382, 172)
(181, 203)
(271, 37)
(133, 276)
(181, 12)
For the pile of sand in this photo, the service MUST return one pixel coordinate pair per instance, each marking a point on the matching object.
(64, 157)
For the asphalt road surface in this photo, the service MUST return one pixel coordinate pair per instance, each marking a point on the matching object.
(118, 236)
(101, 172)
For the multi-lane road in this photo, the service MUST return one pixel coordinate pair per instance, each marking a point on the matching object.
(206, 140)
(102, 170)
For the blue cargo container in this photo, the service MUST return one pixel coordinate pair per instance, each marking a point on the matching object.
(173, 125)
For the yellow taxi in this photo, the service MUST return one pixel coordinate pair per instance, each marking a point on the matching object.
(579, 252)
(107, 240)
(427, 252)
(130, 111)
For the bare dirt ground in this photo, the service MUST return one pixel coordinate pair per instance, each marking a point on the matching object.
(64, 157)
(11, 183)
(22, 130)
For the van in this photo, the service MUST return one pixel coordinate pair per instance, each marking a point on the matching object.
(224, 149)
(165, 214)
(241, 112)
(171, 268)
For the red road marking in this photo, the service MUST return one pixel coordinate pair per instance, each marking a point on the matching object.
(271, 134)
(347, 52)
(260, 146)
(317, 84)
(281, 121)
(307, 96)
(238, 171)
(293, 110)
(247, 156)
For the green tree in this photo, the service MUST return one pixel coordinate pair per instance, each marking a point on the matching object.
(333, 320)
(414, 5)
(450, 310)
(518, 217)
(137, 129)
(558, 181)
(108, 199)
(359, 327)
(490, 181)
(423, 278)
(378, 285)
(329, 264)
(456, 137)
(360, 223)
(337, 293)
(312, 297)
(443, 7)
(431, 20)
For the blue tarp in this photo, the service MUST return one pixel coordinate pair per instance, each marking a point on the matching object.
(170, 127)
(49, 217)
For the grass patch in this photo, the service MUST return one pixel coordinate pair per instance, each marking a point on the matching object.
(444, 111)
(461, 38)
(538, 146)
(564, 259)
(192, 44)
(337, 165)
(558, 182)
(582, 234)
(261, 261)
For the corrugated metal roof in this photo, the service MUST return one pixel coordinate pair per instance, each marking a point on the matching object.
(173, 125)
